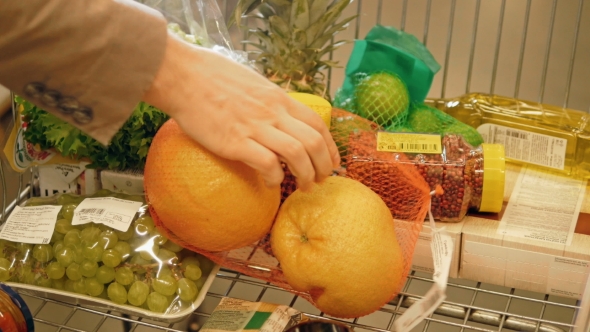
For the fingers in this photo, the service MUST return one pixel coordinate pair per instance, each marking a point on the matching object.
(301, 148)
(260, 158)
(312, 119)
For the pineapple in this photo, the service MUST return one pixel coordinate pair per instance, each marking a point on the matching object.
(296, 36)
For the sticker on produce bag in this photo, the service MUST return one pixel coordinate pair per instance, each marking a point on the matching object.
(409, 142)
(442, 254)
(31, 224)
(114, 212)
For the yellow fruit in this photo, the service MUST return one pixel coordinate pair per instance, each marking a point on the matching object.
(338, 243)
(320, 105)
(203, 201)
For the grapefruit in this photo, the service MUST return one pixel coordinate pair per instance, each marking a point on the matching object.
(338, 243)
(203, 201)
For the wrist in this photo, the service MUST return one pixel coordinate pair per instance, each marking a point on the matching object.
(165, 90)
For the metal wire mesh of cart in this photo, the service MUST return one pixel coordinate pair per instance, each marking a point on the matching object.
(471, 306)
(530, 49)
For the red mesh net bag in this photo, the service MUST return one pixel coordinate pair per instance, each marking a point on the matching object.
(396, 180)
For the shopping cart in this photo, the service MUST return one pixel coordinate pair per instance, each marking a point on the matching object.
(531, 49)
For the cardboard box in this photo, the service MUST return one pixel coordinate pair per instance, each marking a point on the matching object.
(422, 260)
(67, 178)
(507, 259)
(128, 182)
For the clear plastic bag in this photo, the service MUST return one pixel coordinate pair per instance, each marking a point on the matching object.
(116, 259)
(200, 22)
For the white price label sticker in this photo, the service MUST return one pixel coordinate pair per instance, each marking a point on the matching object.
(31, 224)
(442, 254)
(114, 212)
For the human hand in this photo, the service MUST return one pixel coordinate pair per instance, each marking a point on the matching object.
(240, 115)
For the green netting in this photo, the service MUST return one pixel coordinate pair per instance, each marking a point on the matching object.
(381, 97)
(425, 119)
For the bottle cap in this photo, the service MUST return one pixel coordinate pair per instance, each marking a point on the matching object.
(494, 168)
(320, 105)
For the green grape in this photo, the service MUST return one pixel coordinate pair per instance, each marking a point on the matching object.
(192, 272)
(111, 257)
(43, 252)
(187, 290)
(165, 285)
(127, 235)
(138, 264)
(167, 256)
(55, 237)
(72, 237)
(108, 239)
(64, 199)
(144, 225)
(68, 212)
(4, 269)
(73, 272)
(59, 283)
(172, 246)
(65, 256)
(105, 274)
(199, 283)
(69, 285)
(148, 253)
(157, 302)
(136, 242)
(63, 226)
(206, 264)
(55, 270)
(27, 277)
(24, 250)
(163, 271)
(138, 293)
(80, 286)
(90, 234)
(93, 253)
(124, 249)
(159, 239)
(117, 293)
(191, 260)
(57, 246)
(102, 193)
(42, 281)
(88, 268)
(78, 257)
(124, 276)
(93, 286)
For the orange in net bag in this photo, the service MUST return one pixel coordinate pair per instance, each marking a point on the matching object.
(400, 185)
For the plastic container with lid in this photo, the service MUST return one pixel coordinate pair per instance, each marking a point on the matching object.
(472, 178)
(15, 315)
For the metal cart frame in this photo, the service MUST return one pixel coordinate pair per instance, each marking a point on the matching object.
(456, 313)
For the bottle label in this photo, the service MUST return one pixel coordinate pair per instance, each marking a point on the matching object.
(113, 212)
(409, 142)
(526, 146)
(31, 224)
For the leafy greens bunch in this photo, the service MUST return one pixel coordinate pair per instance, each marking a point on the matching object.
(128, 148)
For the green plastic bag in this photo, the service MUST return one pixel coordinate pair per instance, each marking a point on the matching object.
(386, 49)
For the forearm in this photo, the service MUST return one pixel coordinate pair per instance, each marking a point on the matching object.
(87, 62)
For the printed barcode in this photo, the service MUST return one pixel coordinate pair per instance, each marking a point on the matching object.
(517, 134)
(92, 211)
(45, 240)
(416, 146)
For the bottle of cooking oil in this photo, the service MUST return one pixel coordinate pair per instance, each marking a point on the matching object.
(552, 137)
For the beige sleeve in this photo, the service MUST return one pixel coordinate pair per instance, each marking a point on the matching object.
(87, 62)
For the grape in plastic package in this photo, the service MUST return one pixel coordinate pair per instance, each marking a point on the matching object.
(199, 22)
(139, 269)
